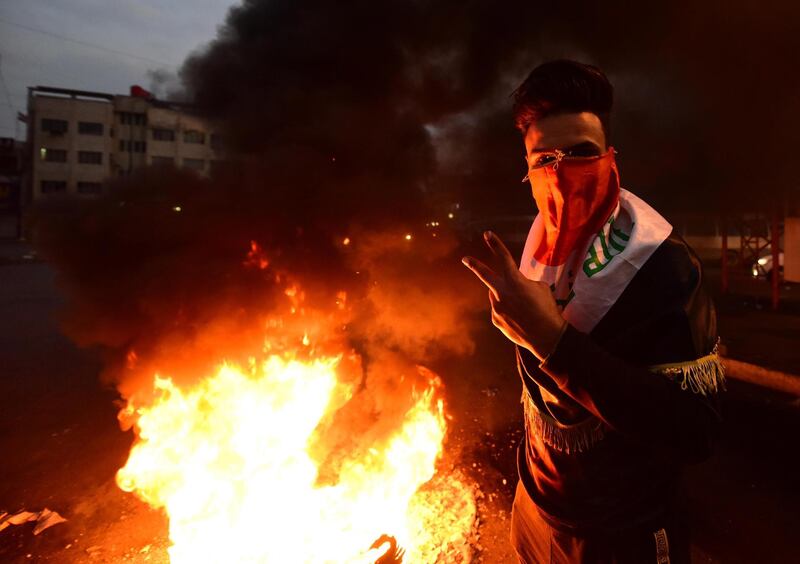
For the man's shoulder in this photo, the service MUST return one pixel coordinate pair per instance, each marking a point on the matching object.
(664, 314)
(655, 250)
(673, 267)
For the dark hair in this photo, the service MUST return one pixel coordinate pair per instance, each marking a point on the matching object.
(561, 87)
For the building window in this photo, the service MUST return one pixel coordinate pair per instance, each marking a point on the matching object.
(192, 136)
(53, 155)
(131, 146)
(56, 126)
(132, 118)
(90, 157)
(194, 164)
(89, 187)
(53, 186)
(90, 128)
(163, 161)
(163, 134)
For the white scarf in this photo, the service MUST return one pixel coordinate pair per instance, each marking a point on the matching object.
(596, 273)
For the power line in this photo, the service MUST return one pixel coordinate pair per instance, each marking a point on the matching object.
(86, 43)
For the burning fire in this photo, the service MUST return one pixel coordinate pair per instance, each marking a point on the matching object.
(235, 462)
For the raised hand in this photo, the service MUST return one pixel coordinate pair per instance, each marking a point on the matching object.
(524, 310)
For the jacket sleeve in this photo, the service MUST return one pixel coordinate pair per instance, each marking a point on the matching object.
(674, 406)
(633, 400)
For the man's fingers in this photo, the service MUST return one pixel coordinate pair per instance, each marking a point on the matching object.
(494, 301)
(486, 274)
(501, 251)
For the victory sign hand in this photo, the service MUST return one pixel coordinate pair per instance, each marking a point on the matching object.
(524, 310)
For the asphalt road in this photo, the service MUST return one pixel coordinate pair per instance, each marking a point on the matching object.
(61, 444)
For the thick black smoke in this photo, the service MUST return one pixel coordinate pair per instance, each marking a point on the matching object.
(706, 94)
(337, 102)
(366, 120)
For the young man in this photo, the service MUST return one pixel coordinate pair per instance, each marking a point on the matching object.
(616, 342)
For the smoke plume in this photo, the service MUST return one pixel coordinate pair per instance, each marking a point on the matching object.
(363, 121)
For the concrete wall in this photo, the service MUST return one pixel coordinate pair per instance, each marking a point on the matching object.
(72, 172)
(179, 149)
(127, 134)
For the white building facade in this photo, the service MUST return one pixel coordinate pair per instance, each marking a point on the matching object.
(81, 139)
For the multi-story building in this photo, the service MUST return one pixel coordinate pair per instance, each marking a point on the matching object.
(81, 139)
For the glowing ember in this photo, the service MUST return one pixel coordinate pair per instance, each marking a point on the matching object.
(231, 460)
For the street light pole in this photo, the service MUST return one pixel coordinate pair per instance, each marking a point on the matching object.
(774, 224)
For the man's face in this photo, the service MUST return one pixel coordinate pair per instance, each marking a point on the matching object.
(580, 134)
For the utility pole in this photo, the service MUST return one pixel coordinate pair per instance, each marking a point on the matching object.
(724, 258)
(775, 242)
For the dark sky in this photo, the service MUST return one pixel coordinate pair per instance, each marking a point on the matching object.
(95, 44)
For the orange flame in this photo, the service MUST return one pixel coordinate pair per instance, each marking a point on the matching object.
(130, 359)
(230, 460)
(255, 257)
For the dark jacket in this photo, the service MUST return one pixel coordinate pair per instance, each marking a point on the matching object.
(607, 434)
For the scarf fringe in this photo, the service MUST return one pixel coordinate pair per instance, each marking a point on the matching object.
(704, 376)
(563, 438)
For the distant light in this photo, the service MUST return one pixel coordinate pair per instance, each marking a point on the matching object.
(43, 153)
(408, 236)
(176, 208)
(451, 215)
(346, 241)
(755, 272)
(762, 261)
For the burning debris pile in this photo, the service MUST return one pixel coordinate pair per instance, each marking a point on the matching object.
(302, 454)
(231, 462)
(279, 394)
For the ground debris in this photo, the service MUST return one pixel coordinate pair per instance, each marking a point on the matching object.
(44, 519)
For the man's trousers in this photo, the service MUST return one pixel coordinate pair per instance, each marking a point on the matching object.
(662, 541)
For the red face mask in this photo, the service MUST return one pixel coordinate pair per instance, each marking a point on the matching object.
(575, 196)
